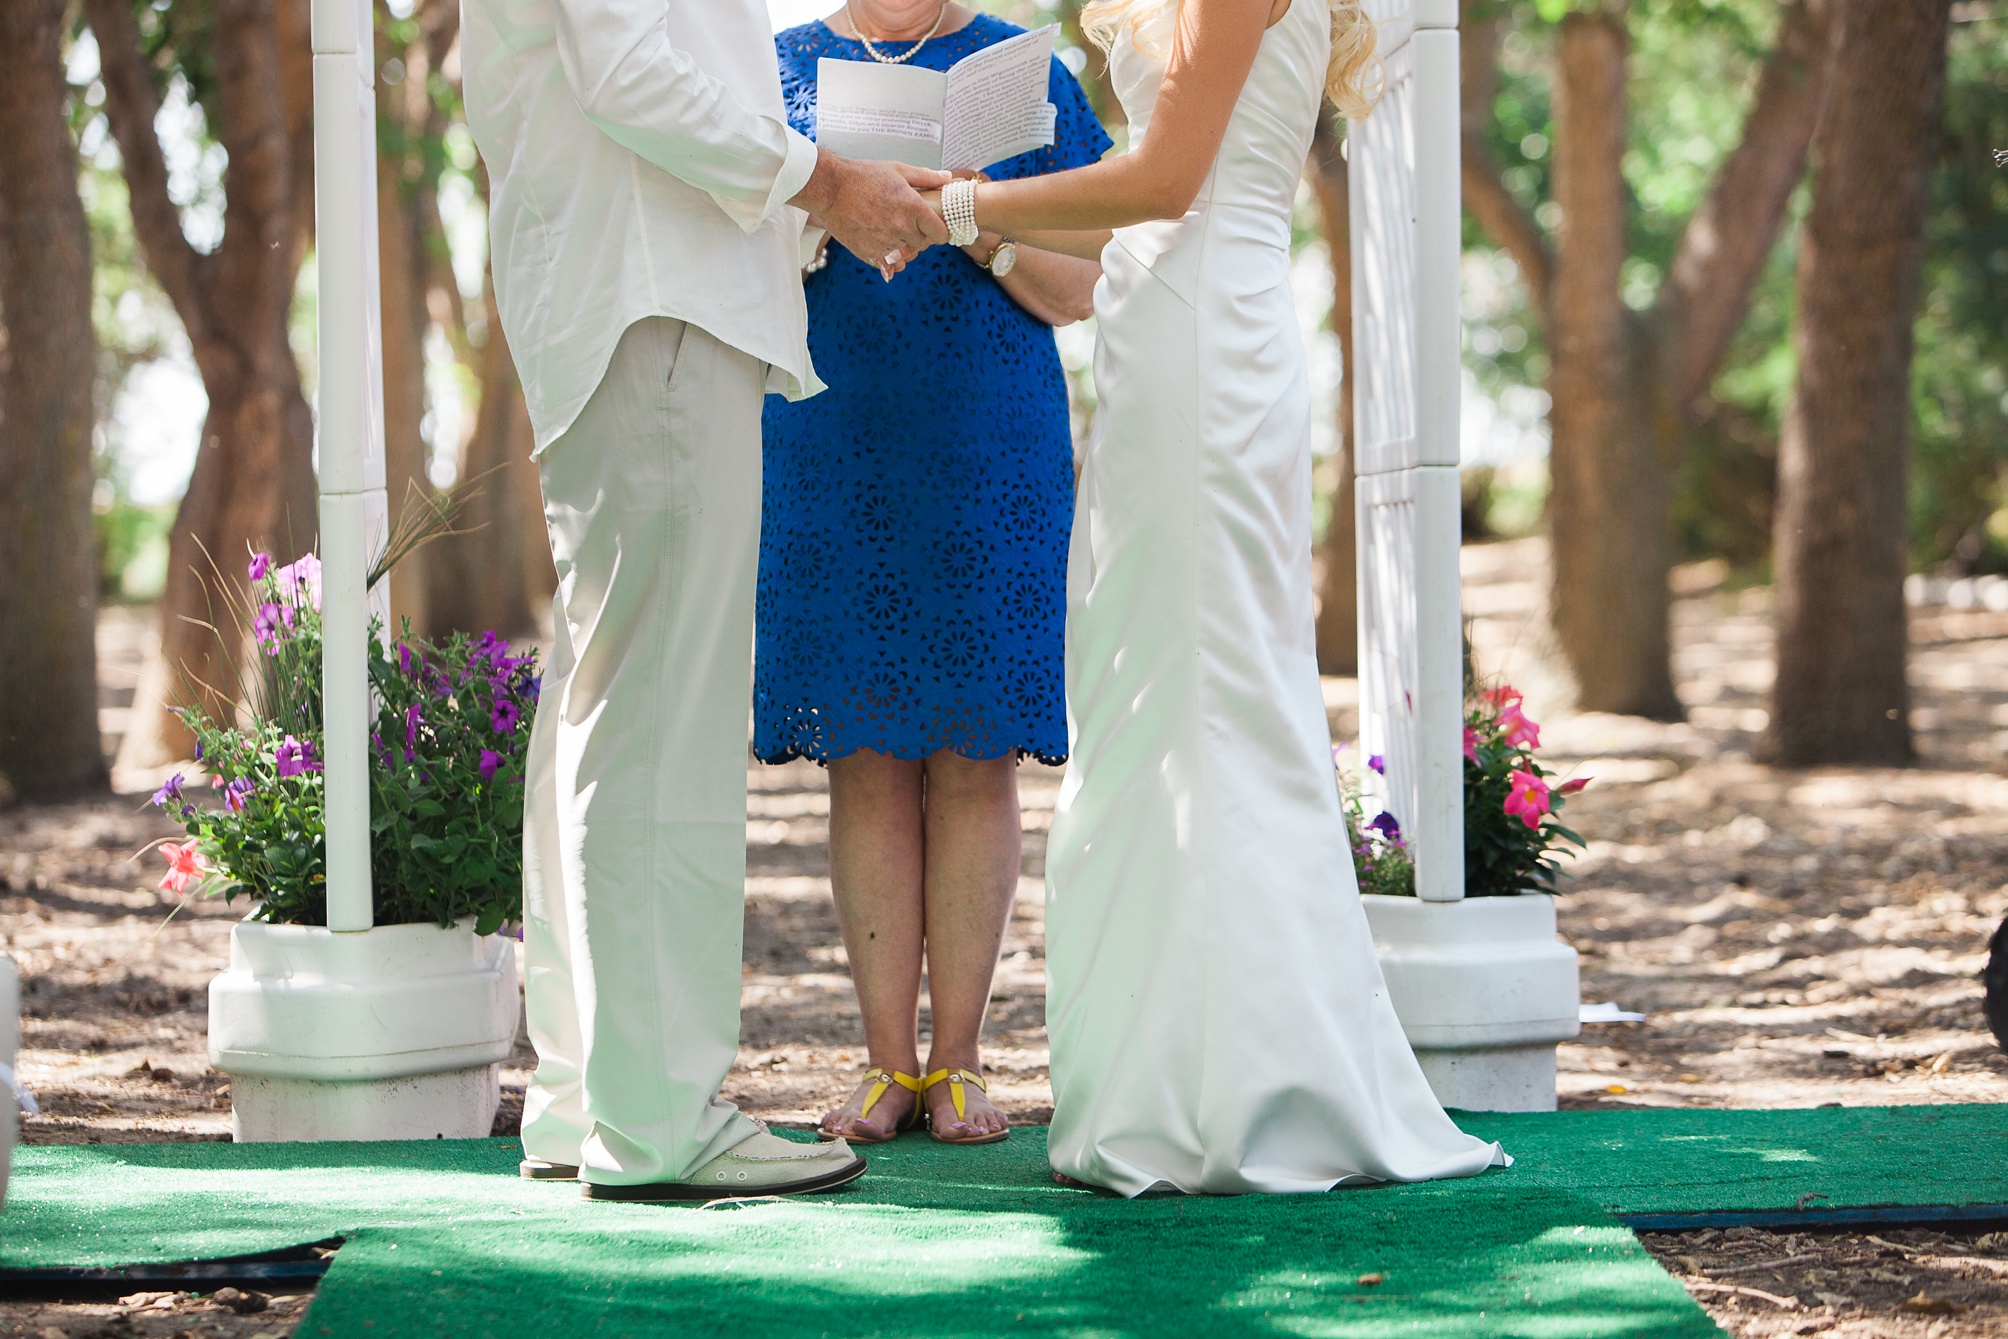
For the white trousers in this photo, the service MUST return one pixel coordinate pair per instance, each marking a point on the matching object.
(634, 867)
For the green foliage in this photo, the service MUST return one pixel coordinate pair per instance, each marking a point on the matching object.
(1959, 436)
(446, 780)
(1381, 859)
(1513, 834)
(446, 774)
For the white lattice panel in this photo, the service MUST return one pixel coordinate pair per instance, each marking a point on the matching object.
(1381, 154)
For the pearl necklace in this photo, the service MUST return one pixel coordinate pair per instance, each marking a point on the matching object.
(883, 59)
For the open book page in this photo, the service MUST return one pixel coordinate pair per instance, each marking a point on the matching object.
(887, 112)
(996, 105)
(988, 107)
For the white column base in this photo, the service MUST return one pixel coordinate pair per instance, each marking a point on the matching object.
(1500, 1078)
(392, 1033)
(1484, 990)
(456, 1105)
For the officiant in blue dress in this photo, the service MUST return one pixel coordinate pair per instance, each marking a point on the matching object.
(912, 593)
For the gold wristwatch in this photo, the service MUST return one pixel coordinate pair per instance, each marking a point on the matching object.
(1002, 259)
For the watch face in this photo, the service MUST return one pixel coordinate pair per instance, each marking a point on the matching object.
(1006, 257)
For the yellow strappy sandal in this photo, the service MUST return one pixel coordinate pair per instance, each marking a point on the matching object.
(955, 1078)
(881, 1081)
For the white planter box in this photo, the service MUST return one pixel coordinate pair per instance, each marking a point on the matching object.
(1484, 991)
(392, 1033)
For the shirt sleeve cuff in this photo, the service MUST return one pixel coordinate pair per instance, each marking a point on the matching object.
(798, 161)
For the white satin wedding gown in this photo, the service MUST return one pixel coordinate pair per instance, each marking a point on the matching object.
(1218, 1018)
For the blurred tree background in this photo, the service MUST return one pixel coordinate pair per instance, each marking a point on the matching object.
(1639, 176)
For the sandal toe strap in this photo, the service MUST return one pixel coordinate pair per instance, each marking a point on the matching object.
(881, 1080)
(955, 1078)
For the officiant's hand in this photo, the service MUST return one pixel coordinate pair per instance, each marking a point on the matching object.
(875, 209)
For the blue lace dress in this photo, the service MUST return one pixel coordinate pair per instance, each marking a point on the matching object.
(913, 541)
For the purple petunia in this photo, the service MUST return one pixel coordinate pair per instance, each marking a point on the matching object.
(489, 762)
(169, 792)
(198, 750)
(533, 687)
(1378, 763)
(261, 563)
(1386, 825)
(295, 758)
(414, 716)
(505, 716)
(268, 623)
(403, 659)
(237, 794)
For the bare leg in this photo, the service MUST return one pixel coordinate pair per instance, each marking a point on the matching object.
(973, 850)
(875, 874)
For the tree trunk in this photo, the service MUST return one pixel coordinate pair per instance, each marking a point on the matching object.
(405, 322)
(1840, 694)
(49, 742)
(1629, 390)
(253, 484)
(497, 571)
(1607, 507)
(1338, 567)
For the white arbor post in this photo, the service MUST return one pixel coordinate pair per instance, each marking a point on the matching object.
(351, 436)
(1483, 987)
(353, 1031)
(1405, 208)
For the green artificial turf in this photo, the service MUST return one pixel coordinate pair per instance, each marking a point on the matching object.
(443, 1239)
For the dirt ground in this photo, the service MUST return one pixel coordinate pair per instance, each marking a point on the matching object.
(1794, 938)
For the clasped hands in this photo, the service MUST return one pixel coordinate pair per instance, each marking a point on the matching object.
(885, 214)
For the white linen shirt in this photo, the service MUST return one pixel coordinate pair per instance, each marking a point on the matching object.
(639, 164)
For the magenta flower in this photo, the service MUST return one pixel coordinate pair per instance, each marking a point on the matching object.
(261, 563)
(1527, 799)
(1471, 743)
(403, 659)
(505, 716)
(1571, 787)
(1378, 763)
(489, 762)
(169, 792)
(295, 758)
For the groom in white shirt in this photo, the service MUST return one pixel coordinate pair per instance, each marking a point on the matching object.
(646, 203)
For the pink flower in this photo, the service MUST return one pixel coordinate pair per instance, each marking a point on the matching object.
(1471, 743)
(185, 866)
(302, 580)
(1571, 787)
(261, 563)
(1519, 731)
(1528, 797)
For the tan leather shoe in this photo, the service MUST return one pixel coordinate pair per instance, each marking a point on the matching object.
(536, 1169)
(764, 1164)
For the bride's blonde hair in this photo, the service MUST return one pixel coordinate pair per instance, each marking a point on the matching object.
(1353, 80)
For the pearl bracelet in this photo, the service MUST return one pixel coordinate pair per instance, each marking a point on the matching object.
(958, 211)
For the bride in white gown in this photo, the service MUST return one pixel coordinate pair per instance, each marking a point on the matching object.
(1217, 1016)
